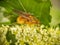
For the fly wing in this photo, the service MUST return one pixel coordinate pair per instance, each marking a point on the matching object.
(28, 17)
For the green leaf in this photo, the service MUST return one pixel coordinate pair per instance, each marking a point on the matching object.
(39, 8)
(6, 5)
(10, 36)
(55, 13)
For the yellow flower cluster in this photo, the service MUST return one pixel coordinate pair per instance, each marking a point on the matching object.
(30, 35)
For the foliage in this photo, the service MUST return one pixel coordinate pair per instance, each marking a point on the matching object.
(39, 8)
(10, 37)
(55, 13)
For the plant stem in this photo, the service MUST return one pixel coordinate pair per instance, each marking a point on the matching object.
(20, 3)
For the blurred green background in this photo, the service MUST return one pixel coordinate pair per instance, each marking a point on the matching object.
(47, 11)
(55, 12)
